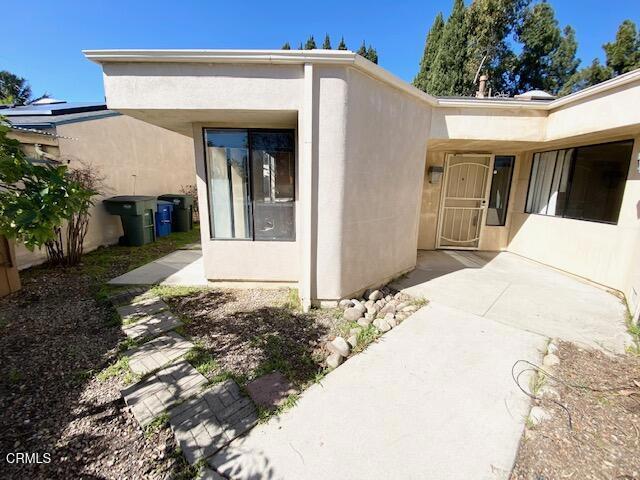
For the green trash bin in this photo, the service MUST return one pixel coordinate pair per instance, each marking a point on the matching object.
(182, 220)
(137, 213)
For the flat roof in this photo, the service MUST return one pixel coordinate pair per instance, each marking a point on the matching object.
(347, 58)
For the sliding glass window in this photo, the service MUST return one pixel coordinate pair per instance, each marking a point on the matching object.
(251, 180)
(584, 183)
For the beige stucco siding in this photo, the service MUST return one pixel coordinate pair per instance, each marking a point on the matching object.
(132, 157)
(600, 252)
(616, 109)
(202, 86)
(386, 133)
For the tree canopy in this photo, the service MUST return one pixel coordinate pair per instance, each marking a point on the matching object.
(520, 46)
(368, 52)
(13, 89)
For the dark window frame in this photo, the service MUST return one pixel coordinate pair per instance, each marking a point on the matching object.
(509, 185)
(252, 237)
(571, 172)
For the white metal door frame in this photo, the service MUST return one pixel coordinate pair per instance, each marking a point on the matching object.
(484, 201)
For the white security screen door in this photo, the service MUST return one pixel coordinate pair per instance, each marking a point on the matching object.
(464, 200)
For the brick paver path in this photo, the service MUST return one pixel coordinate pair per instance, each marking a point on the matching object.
(143, 308)
(151, 326)
(157, 393)
(157, 353)
(206, 423)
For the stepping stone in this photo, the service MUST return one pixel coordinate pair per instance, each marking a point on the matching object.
(163, 390)
(143, 308)
(152, 325)
(157, 353)
(270, 390)
(208, 474)
(122, 297)
(204, 424)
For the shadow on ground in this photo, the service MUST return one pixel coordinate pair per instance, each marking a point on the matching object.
(252, 332)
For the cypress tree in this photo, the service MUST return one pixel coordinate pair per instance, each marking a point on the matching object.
(431, 47)
(342, 45)
(362, 51)
(623, 54)
(286, 46)
(372, 54)
(311, 43)
(447, 72)
(327, 42)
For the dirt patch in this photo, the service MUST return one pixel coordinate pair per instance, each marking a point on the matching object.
(252, 332)
(602, 395)
(56, 334)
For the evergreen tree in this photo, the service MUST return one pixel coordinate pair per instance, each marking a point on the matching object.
(13, 89)
(548, 59)
(447, 75)
(372, 54)
(327, 42)
(342, 45)
(311, 43)
(591, 75)
(300, 47)
(286, 46)
(623, 54)
(490, 23)
(362, 51)
(564, 63)
(431, 47)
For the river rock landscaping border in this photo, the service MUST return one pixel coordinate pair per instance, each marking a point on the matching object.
(379, 309)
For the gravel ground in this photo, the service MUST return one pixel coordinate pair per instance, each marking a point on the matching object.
(251, 332)
(605, 440)
(54, 337)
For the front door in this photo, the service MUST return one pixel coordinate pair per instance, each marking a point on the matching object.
(464, 200)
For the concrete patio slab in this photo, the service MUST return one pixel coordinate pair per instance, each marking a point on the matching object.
(163, 390)
(519, 292)
(157, 353)
(433, 399)
(182, 267)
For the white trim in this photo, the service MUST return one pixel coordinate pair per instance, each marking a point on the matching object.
(348, 58)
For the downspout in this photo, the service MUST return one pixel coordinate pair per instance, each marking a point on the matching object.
(306, 190)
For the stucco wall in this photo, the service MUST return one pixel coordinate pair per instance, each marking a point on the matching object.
(600, 252)
(133, 157)
(386, 133)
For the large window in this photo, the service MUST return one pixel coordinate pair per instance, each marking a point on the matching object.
(585, 183)
(250, 175)
(500, 187)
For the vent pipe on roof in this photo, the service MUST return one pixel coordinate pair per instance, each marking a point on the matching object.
(482, 87)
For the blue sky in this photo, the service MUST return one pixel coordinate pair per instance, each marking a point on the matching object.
(44, 42)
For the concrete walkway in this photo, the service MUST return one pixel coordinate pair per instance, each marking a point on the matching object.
(515, 291)
(182, 267)
(433, 399)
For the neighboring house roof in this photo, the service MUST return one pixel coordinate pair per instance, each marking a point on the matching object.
(49, 115)
(345, 57)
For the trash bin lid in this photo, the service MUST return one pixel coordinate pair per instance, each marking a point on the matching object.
(178, 199)
(129, 198)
